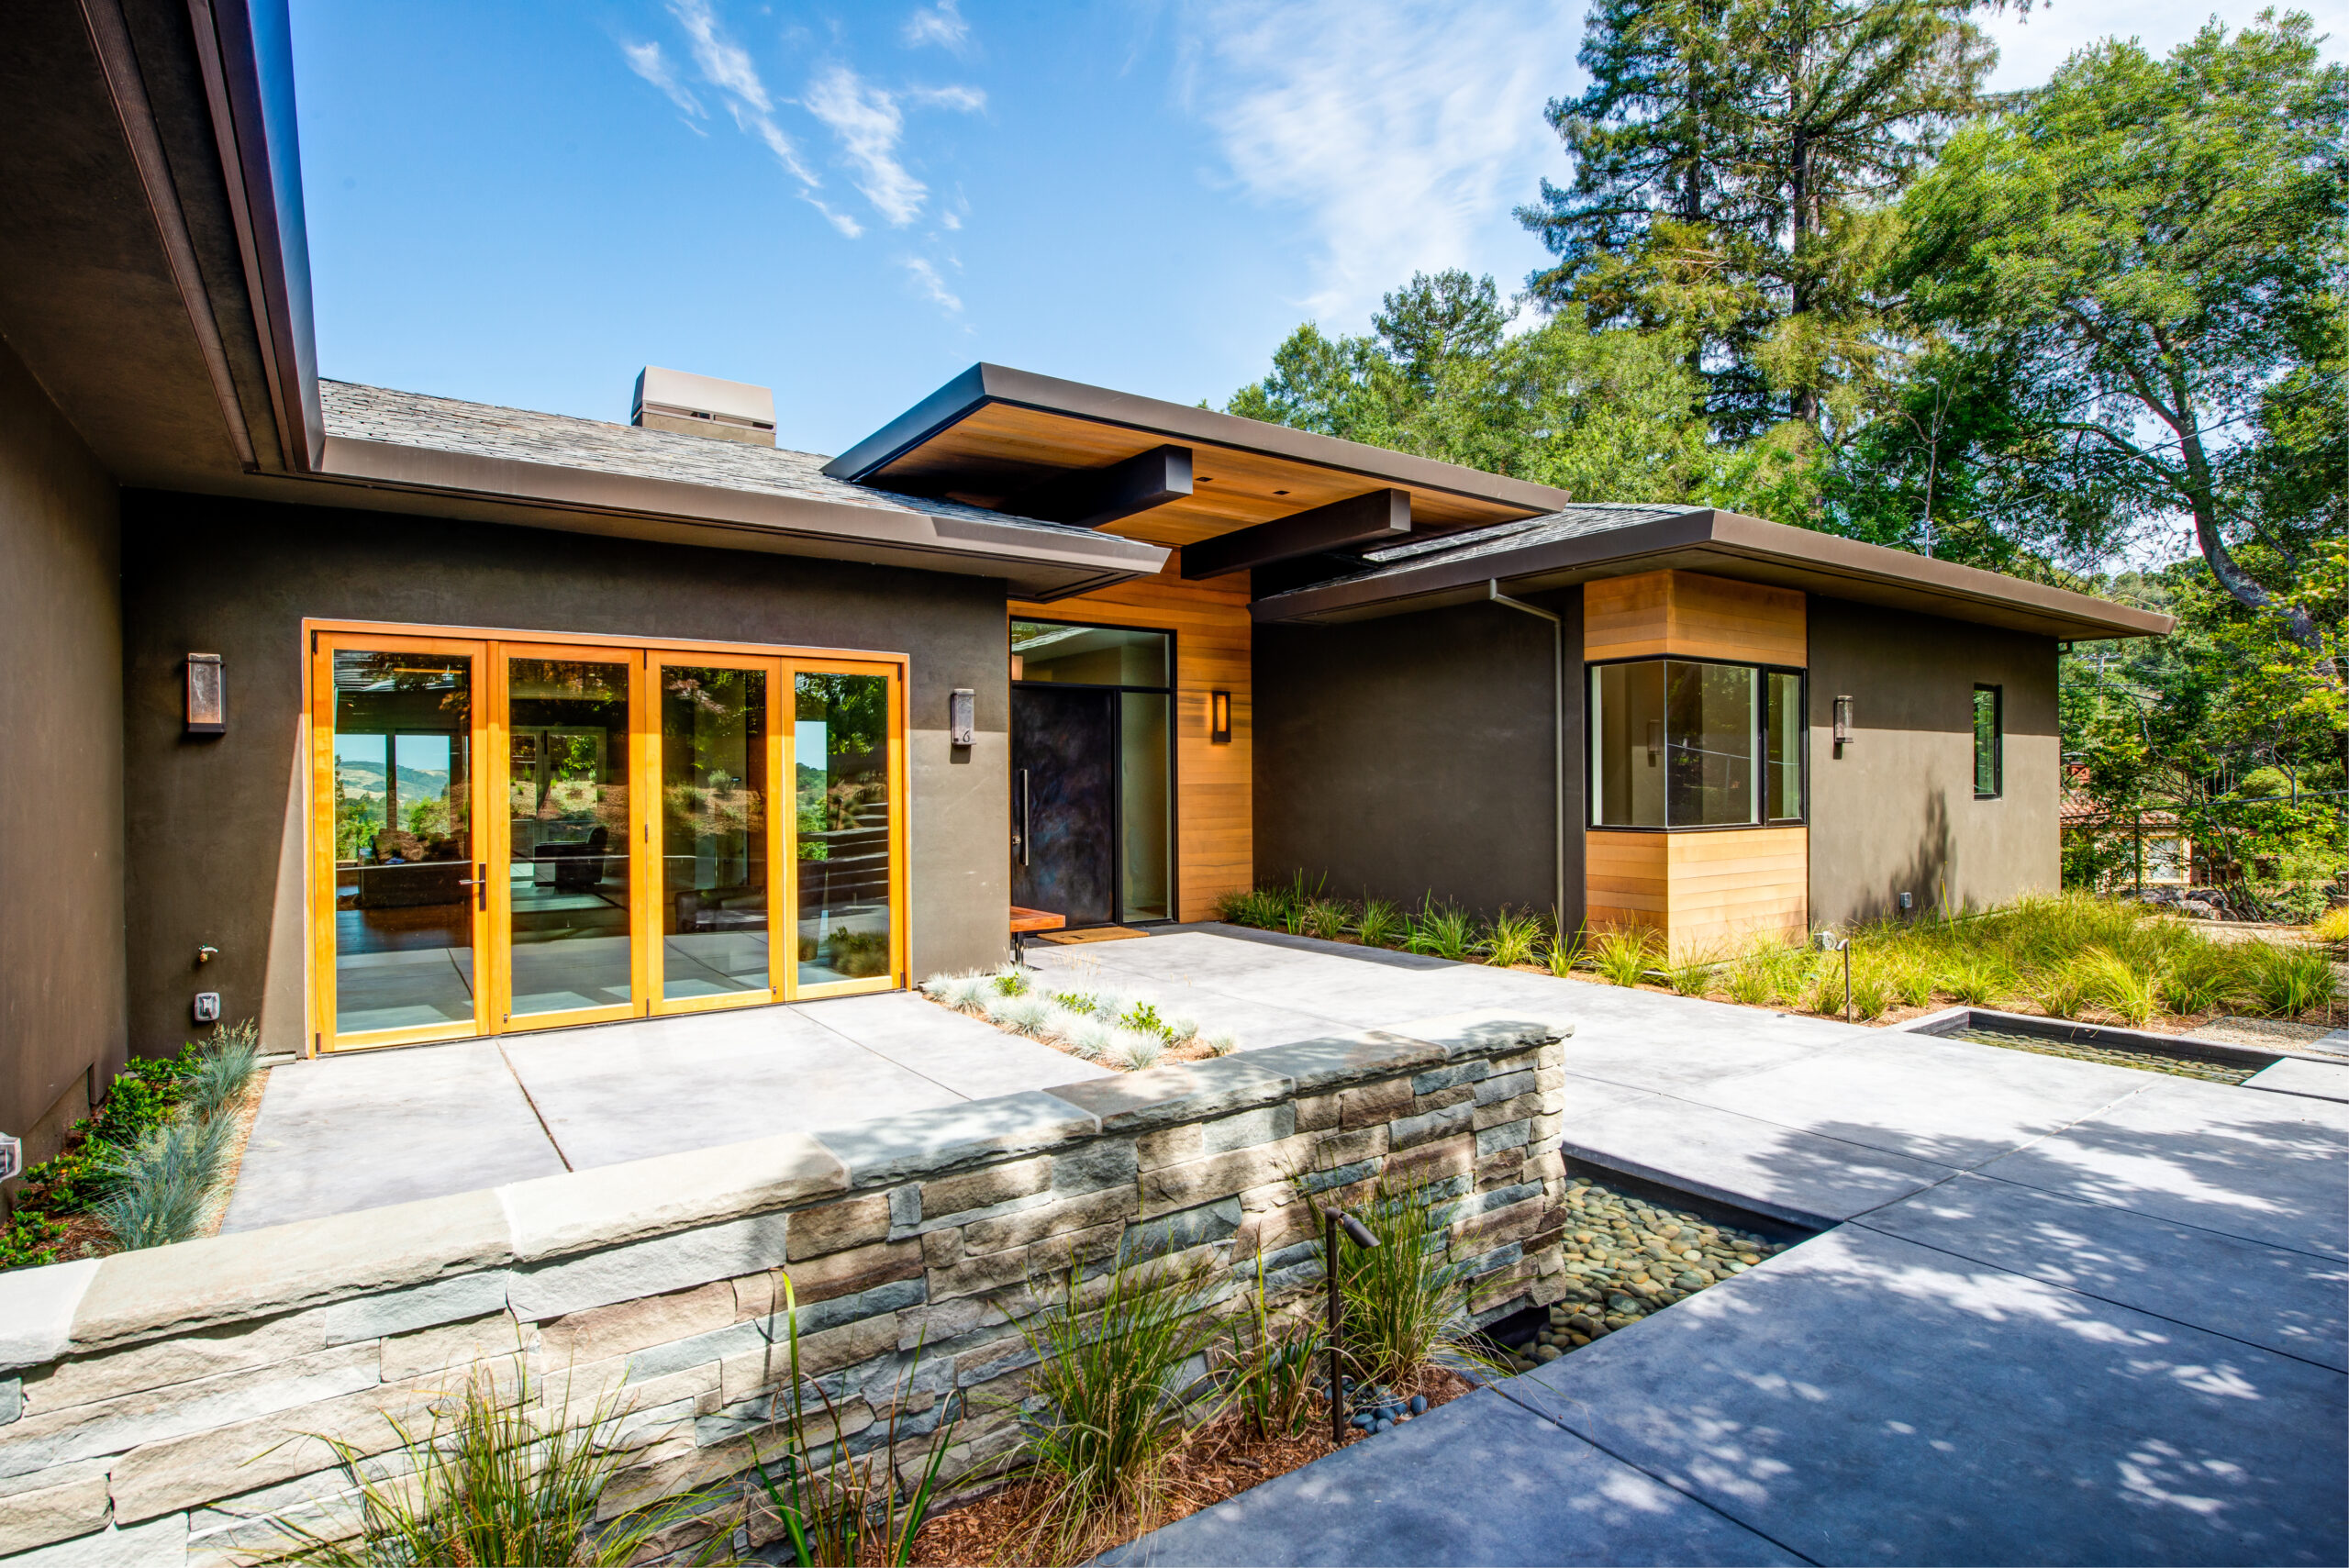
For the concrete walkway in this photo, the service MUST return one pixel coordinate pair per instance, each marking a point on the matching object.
(344, 1133)
(2067, 1312)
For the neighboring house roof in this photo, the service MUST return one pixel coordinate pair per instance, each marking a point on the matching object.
(416, 442)
(1575, 544)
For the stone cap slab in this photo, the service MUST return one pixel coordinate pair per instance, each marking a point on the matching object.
(1486, 1032)
(1330, 1062)
(924, 1143)
(36, 1308)
(256, 1274)
(609, 1204)
(1193, 1091)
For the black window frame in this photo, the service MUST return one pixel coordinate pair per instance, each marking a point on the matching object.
(1173, 694)
(1997, 740)
(1762, 672)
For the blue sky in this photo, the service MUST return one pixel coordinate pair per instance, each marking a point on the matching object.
(525, 202)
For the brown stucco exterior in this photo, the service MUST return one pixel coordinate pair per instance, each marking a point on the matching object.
(61, 769)
(212, 824)
(1415, 754)
(1896, 812)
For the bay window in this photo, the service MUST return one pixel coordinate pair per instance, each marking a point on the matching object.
(1695, 743)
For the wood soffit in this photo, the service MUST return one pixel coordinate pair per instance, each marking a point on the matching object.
(970, 443)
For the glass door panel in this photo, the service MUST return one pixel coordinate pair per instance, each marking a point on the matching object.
(715, 835)
(845, 828)
(568, 835)
(406, 888)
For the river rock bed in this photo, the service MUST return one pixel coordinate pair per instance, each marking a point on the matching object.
(2144, 1061)
(1626, 1258)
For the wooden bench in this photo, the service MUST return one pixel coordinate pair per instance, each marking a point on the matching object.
(1025, 920)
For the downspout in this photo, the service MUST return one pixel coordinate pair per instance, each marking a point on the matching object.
(1558, 700)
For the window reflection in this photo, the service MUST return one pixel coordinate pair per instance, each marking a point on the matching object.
(841, 805)
(713, 831)
(1695, 743)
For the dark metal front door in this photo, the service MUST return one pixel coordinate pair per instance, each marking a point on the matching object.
(1065, 803)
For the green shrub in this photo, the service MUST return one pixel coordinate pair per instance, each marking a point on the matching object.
(1692, 976)
(1751, 982)
(1268, 1365)
(2287, 981)
(1325, 919)
(1112, 1388)
(1911, 981)
(1443, 931)
(1872, 988)
(2111, 982)
(839, 1508)
(1622, 956)
(1513, 939)
(1381, 925)
(2204, 977)
(1404, 1306)
(1565, 949)
(157, 1191)
(1976, 982)
(1825, 990)
(2060, 989)
(500, 1484)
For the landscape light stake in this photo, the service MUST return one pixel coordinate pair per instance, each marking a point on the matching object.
(1829, 942)
(1360, 1234)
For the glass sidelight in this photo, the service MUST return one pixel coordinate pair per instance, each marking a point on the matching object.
(406, 890)
(567, 880)
(511, 835)
(843, 827)
(714, 853)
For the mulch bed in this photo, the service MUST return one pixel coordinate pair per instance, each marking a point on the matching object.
(1218, 1460)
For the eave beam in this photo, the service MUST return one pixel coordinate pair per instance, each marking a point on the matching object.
(1379, 517)
(1093, 497)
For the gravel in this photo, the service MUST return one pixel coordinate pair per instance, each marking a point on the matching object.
(1626, 1258)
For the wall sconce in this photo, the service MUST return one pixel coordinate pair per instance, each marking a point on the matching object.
(1843, 724)
(1220, 717)
(207, 696)
(962, 716)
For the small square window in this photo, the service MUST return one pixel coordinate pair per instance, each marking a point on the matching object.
(1989, 743)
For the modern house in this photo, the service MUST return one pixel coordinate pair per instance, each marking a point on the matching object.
(387, 718)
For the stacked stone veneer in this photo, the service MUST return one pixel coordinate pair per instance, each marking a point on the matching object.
(166, 1407)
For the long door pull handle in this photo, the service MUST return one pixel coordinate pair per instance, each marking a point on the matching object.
(1027, 823)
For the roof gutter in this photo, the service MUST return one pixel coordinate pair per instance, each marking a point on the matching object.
(245, 50)
(1821, 563)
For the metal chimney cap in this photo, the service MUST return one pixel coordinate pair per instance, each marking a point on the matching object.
(681, 402)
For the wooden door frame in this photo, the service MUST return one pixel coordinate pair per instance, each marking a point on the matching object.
(489, 647)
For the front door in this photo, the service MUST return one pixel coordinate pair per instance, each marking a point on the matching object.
(1064, 802)
(519, 835)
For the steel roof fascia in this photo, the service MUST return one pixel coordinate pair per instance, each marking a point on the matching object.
(1800, 549)
(428, 472)
(985, 383)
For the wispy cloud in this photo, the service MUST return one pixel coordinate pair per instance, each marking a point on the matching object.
(1398, 131)
(941, 24)
(931, 285)
(647, 61)
(968, 100)
(726, 66)
(869, 124)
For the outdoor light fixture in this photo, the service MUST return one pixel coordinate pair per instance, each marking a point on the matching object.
(1843, 724)
(962, 716)
(1220, 717)
(1358, 1234)
(207, 696)
(1829, 942)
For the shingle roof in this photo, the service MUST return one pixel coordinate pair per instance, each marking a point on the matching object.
(354, 412)
(1570, 522)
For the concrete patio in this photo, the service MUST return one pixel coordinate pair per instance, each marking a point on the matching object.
(2066, 1312)
(2062, 1311)
(344, 1133)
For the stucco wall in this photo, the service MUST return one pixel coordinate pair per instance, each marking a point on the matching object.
(213, 829)
(61, 769)
(1418, 753)
(1896, 813)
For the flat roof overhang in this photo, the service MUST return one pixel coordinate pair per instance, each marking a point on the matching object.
(1726, 544)
(385, 475)
(994, 432)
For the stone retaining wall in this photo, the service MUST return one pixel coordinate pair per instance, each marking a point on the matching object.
(165, 1406)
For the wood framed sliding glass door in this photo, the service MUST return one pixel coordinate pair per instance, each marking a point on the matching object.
(515, 832)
